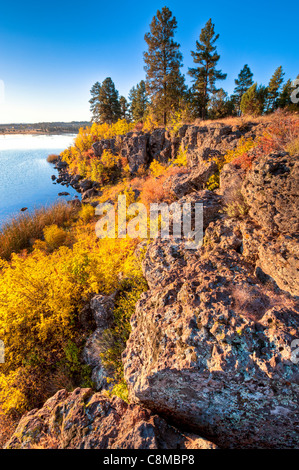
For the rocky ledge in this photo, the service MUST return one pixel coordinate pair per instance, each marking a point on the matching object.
(87, 420)
(201, 143)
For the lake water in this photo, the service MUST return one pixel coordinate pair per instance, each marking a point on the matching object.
(25, 174)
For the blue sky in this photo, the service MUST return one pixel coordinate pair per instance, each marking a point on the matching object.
(51, 53)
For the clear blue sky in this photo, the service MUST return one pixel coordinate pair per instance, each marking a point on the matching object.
(51, 53)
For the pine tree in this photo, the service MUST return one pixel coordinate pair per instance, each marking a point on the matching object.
(205, 75)
(284, 98)
(108, 106)
(138, 101)
(164, 82)
(94, 101)
(124, 108)
(273, 89)
(220, 105)
(243, 83)
(253, 100)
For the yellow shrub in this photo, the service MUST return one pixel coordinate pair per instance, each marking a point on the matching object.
(150, 123)
(86, 213)
(244, 145)
(157, 169)
(108, 159)
(181, 158)
(80, 157)
(40, 296)
(175, 122)
(55, 236)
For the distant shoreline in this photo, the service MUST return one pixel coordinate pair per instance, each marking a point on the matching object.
(32, 132)
(43, 128)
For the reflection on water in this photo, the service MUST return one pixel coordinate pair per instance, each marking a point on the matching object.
(25, 174)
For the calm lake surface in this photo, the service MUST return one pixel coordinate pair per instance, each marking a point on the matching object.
(25, 174)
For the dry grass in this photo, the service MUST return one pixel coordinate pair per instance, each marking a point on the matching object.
(243, 120)
(231, 121)
(21, 231)
(7, 427)
(52, 158)
(293, 147)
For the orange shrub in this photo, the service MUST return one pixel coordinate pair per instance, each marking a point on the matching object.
(159, 189)
(283, 130)
(244, 161)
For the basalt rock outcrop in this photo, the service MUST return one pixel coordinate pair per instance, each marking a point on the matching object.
(211, 347)
(201, 143)
(185, 183)
(271, 189)
(87, 420)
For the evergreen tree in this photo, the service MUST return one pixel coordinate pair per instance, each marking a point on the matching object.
(132, 101)
(108, 106)
(124, 108)
(205, 75)
(138, 101)
(220, 105)
(273, 89)
(94, 101)
(163, 60)
(253, 100)
(243, 82)
(284, 98)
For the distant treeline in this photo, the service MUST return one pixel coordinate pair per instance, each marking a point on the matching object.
(43, 128)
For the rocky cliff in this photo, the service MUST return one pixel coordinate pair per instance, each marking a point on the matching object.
(210, 355)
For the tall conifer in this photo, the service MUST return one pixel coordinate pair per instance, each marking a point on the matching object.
(124, 108)
(243, 83)
(273, 89)
(205, 74)
(163, 60)
(138, 101)
(94, 101)
(108, 106)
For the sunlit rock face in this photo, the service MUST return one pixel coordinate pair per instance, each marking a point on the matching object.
(210, 351)
(86, 420)
(212, 340)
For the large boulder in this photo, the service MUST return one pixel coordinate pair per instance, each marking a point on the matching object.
(159, 145)
(86, 420)
(134, 147)
(204, 142)
(211, 346)
(271, 189)
(104, 144)
(85, 185)
(92, 192)
(185, 183)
